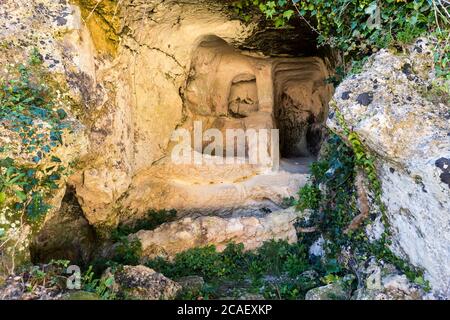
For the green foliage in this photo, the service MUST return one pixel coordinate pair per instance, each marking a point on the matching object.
(32, 117)
(359, 27)
(101, 286)
(338, 206)
(26, 187)
(275, 11)
(309, 197)
(50, 275)
(127, 252)
(24, 104)
(274, 258)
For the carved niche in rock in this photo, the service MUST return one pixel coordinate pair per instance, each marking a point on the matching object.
(232, 89)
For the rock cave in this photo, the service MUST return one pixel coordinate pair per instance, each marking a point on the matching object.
(111, 81)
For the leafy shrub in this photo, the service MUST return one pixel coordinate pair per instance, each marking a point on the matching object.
(275, 259)
(101, 286)
(309, 197)
(127, 252)
(336, 170)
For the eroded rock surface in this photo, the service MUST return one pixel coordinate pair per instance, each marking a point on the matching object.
(174, 237)
(405, 126)
(53, 34)
(383, 282)
(177, 62)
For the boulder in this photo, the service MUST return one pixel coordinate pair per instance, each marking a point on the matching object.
(174, 237)
(142, 283)
(81, 295)
(332, 291)
(404, 123)
(384, 282)
(191, 284)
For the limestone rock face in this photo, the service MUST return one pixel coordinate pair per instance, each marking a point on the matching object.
(406, 127)
(211, 189)
(140, 69)
(53, 31)
(172, 238)
(176, 63)
(142, 283)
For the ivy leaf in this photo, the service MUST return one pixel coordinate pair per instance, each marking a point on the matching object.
(2, 197)
(109, 282)
(279, 22)
(56, 159)
(61, 114)
(21, 195)
(288, 14)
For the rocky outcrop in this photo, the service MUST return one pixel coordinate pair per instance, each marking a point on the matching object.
(383, 282)
(15, 288)
(339, 290)
(172, 238)
(142, 283)
(178, 62)
(391, 105)
(52, 33)
(136, 70)
(211, 189)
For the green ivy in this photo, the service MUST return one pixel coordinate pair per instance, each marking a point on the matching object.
(309, 197)
(336, 171)
(29, 169)
(358, 28)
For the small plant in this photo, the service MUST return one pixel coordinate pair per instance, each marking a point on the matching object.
(357, 28)
(309, 197)
(49, 276)
(127, 252)
(102, 287)
(275, 259)
(337, 208)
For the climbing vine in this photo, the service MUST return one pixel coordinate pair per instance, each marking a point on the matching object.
(335, 174)
(358, 28)
(33, 122)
